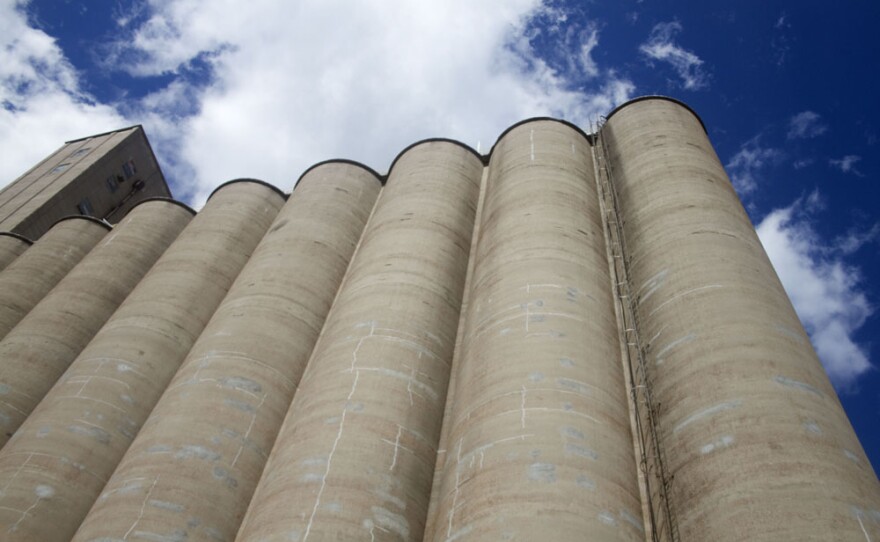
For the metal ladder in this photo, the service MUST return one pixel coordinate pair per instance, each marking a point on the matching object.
(652, 461)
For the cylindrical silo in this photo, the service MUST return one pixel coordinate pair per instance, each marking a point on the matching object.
(257, 344)
(442, 452)
(75, 438)
(12, 245)
(41, 347)
(33, 275)
(539, 444)
(756, 444)
(355, 456)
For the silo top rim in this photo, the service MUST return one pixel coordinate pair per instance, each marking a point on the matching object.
(248, 180)
(434, 140)
(656, 97)
(355, 163)
(83, 217)
(571, 125)
(17, 236)
(166, 200)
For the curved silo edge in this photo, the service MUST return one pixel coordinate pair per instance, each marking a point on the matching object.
(379, 177)
(249, 180)
(515, 125)
(483, 159)
(166, 200)
(657, 97)
(84, 217)
(17, 236)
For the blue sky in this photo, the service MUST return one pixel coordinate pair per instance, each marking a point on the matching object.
(788, 91)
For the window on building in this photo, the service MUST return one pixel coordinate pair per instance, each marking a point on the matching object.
(80, 152)
(112, 184)
(61, 167)
(129, 169)
(85, 207)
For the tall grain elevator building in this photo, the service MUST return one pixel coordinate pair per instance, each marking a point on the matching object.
(101, 176)
(575, 337)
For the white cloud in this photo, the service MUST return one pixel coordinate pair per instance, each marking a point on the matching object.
(802, 163)
(589, 65)
(661, 46)
(847, 164)
(806, 125)
(266, 90)
(41, 104)
(827, 292)
(745, 166)
(855, 239)
(296, 83)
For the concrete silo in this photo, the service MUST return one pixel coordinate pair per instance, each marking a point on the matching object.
(73, 441)
(256, 344)
(355, 456)
(11, 247)
(755, 445)
(29, 278)
(539, 443)
(41, 347)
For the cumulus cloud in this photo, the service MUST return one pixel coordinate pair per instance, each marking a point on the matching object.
(268, 89)
(827, 292)
(293, 84)
(806, 125)
(661, 46)
(847, 164)
(746, 165)
(566, 39)
(41, 104)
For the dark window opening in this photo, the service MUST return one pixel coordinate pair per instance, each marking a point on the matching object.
(129, 169)
(61, 167)
(112, 184)
(85, 207)
(80, 152)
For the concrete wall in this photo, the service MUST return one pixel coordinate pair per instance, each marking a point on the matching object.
(756, 443)
(11, 247)
(29, 278)
(355, 456)
(531, 305)
(257, 343)
(539, 444)
(84, 425)
(41, 347)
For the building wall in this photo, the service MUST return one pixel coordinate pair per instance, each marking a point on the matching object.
(98, 176)
(576, 336)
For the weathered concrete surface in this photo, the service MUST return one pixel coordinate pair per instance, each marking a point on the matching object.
(756, 441)
(539, 443)
(29, 278)
(41, 347)
(11, 247)
(230, 396)
(57, 463)
(355, 456)
(442, 451)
